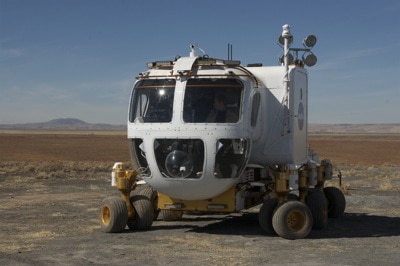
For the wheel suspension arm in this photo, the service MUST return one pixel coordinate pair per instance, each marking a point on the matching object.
(125, 182)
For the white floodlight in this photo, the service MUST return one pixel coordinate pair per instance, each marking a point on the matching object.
(310, 60)
(310, 41)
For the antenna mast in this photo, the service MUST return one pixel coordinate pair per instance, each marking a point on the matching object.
(229, 51)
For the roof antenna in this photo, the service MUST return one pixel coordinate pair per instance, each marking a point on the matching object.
(229, 51)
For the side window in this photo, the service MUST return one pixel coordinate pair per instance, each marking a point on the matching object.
(255, 106)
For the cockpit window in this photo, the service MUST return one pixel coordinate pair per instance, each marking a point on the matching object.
(152, 101)
(212, 101)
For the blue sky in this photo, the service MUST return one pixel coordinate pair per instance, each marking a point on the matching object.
(79, 58)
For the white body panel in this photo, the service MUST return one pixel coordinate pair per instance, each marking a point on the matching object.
(284, 130)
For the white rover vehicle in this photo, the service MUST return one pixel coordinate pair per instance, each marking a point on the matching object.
(210, 135)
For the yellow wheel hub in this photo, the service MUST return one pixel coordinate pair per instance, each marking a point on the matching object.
(105, 215)
(296, 220)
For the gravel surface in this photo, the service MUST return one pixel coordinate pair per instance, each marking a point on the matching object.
(53, 220)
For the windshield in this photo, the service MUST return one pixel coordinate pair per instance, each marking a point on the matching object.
(212, 100)
(152, 101)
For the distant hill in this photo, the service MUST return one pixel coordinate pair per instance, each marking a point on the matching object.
(355, 128)
(77, 124)
(66, 121)
(63, 124)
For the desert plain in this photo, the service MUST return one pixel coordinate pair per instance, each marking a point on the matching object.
(52, 184)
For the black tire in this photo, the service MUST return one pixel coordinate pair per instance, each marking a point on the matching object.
(292, 220)
(319, 208)
(265, 215)
(336, 202)
(144, 213)
(113, 215)
(145, 190)
(292, 196)
(171, 215)
(151, 194)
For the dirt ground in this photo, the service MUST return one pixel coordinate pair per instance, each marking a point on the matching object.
(51, 187)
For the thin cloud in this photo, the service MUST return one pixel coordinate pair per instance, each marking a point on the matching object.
(10, 53)
(345, 58)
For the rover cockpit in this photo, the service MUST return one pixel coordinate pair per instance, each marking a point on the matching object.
(183, 114)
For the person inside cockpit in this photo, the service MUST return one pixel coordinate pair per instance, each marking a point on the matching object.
(220, 113)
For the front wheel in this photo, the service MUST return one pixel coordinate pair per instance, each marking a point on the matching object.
(150, 193)
(113, 215)
(144, 213)
(292, 220)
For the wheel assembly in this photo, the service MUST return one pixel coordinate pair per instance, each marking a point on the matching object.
(113, 215)
(292, 220)
(319, 208)
(336, 202)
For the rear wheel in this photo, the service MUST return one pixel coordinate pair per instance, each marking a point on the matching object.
(318, 206)
(265, 215)
(336, 202)
(113, 215)
(292, 220)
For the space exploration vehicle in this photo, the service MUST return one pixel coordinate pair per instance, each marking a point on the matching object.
(210, 135)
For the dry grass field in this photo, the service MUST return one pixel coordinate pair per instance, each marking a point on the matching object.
(349, 149)
(358, 149)
(51, 185)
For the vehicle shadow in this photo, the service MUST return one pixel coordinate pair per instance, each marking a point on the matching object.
(357, 225)
(351, 225)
